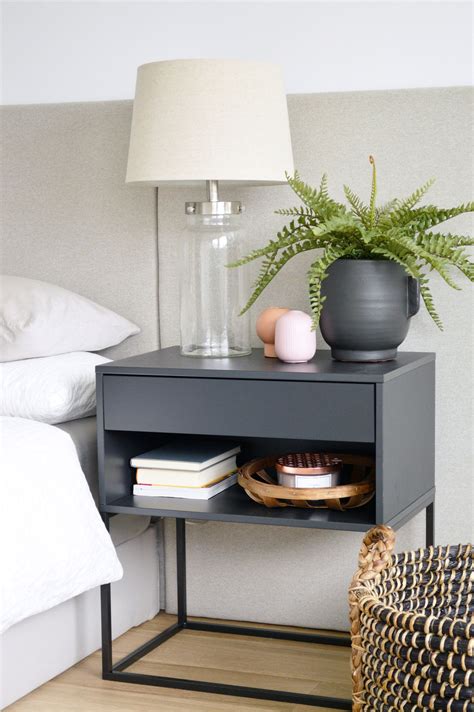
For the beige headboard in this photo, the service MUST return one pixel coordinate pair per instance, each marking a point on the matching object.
(67, 215)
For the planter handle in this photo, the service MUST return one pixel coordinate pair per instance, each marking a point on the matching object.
(413, 293)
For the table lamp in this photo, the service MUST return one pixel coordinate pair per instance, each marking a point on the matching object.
(222, 122)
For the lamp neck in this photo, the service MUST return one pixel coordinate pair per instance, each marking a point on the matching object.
(214, 206)
(212, 187)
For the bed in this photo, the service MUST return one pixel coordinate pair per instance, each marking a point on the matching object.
(40, 646)
(80, 217)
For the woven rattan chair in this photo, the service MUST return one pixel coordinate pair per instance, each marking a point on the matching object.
(412, 626)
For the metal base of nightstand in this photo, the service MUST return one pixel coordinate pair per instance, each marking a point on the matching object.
(235, 690)
(118, 672)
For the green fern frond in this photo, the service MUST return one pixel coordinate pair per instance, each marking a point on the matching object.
(370, 237)
(266, 265)
(358, 207)
(382, 214)
(307, 195)
(415, 197)
(408, 262)
(448, 239)
(429, 304)
(433, 261)
(343, 225)
(424, 218)
(316, 274)
(318, 201)
(273, 268)
(373, 192)
(401, 257)
(323, 186)
(445, 246)
(294, 232)
(297, 210)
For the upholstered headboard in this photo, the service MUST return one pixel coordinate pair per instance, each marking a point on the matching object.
(69, 218)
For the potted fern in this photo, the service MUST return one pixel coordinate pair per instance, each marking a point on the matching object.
(371, 266)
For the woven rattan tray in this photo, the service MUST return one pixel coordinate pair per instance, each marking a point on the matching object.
(264, 489)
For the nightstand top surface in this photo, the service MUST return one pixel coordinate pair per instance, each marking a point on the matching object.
(169, 362)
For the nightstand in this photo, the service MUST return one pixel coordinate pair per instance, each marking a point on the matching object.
(385, 410)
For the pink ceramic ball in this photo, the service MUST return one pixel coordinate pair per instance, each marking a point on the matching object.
(265, 328)
(294, 340)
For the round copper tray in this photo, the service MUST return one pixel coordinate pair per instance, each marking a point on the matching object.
(263, 488)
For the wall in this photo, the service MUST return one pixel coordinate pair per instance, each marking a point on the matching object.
(86, 51)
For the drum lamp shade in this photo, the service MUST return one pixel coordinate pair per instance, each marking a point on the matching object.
(207, 119)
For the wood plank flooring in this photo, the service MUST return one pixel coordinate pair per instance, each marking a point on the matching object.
(232, 659)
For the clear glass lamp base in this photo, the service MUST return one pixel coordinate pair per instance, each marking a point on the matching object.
(206, 352)
(211, 293)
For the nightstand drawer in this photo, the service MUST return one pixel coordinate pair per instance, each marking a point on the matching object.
(240, 407)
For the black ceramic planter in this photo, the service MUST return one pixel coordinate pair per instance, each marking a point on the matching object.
(367, 310)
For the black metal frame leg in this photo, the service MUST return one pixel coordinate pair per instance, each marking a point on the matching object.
(106, 618)
(181, 571)
(117, 672)
(430, 524)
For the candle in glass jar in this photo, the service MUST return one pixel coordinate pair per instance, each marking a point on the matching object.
(309, 469)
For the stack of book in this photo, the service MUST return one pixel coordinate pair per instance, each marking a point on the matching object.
(188, 469)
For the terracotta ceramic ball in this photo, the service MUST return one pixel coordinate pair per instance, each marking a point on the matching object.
(295, 342)
(266, 328)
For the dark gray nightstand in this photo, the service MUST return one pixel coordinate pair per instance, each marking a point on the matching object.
(386, 410)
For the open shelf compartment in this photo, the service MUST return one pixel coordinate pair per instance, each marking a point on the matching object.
(232, 505)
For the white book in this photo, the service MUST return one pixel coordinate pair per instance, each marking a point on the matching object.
(186, 478)
(195, 455)
(185, 492)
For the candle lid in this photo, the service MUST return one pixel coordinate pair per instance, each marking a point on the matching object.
(308, 463)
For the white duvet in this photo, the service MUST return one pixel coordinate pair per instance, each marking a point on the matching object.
(53, 542)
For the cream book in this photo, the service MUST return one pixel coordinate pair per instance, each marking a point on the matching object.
(186, 478)
(185, 492)
(195, 455)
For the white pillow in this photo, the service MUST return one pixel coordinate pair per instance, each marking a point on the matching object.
(52, 389)
(41, 319)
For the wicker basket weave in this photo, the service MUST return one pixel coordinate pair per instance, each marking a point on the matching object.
(264, 489)
(412, 626)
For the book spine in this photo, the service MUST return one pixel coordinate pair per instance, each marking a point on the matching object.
(141, 479)
(184, 492)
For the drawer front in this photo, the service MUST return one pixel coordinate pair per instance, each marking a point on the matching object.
(245, 408)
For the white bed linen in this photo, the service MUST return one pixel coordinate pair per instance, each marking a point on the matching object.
(52, 389)
(42, 319)
(54, 545)
(40, 647)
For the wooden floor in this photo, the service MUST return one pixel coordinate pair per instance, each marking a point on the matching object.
(232, 659)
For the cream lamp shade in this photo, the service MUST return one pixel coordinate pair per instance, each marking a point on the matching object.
(205, 119)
